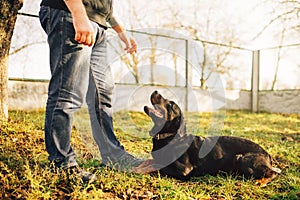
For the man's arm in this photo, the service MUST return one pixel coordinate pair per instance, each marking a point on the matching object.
(84, 32)
(130, 47)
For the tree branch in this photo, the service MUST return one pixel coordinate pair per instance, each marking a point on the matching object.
(25, 46)
(274, 20)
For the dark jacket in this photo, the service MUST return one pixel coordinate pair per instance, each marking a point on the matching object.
(99, 11)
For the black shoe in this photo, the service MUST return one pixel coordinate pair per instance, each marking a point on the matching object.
(86, 177)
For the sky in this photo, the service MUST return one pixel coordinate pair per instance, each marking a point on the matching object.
(244, 15)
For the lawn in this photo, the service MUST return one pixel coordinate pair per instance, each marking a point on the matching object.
(25, 171)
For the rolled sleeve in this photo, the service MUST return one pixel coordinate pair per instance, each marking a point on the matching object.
(113, 21)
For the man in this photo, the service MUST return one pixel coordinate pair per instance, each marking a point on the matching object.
(76, 33)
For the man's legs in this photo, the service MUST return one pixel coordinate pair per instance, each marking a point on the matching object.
(69, 63)
(73, 69)
(99, 100)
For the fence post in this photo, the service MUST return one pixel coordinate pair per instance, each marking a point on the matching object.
(255, 81)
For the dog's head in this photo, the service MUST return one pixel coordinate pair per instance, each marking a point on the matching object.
(166, 116)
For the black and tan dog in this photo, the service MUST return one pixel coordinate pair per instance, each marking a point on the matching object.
(178, 154)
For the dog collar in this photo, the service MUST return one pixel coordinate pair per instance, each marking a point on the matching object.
(162, 136)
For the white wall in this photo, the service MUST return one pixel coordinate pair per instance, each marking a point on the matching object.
(33, 95)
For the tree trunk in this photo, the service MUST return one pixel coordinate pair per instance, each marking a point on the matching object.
(8, 16)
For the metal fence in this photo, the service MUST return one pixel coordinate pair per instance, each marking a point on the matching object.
(279, 66)
(268, 69)
(175, 64)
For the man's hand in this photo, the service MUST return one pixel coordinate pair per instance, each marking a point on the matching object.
(84, 33)
(130, 46)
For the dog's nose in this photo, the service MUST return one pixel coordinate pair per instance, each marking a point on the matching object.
(154, 94)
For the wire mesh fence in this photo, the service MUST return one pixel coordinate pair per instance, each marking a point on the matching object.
(279, 66)
(167, 59)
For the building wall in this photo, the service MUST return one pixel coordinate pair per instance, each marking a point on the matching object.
(25, 95)
(282, 101)
(33, 95)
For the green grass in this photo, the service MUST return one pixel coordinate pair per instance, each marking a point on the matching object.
(25, 172)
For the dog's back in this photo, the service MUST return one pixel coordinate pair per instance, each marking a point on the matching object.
(220, 153)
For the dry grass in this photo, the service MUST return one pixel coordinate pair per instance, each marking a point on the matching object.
(25, 173)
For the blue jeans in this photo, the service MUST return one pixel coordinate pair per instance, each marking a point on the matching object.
(77, 72)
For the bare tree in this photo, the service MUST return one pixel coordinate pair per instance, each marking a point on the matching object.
(285, 12)
(8, 15)
(132, 61)
(206, 29)
(284, 15)
(278, 59)
(17, 50)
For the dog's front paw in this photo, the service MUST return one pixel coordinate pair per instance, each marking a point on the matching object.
(145, 167)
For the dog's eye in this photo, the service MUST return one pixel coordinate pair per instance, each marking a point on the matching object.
(169, 106)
